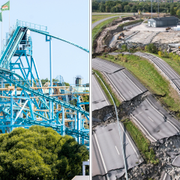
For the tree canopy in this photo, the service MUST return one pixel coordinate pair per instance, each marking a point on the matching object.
(116, 6)
(40, 153)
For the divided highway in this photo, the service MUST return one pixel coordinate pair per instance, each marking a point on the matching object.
(107, 154)
(150, 117)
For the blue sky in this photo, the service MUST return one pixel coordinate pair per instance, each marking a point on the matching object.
(68, 20)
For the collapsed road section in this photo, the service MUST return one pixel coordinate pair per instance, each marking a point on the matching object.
(106, 152)
(148, 115)
(124, 83)
(154, 121)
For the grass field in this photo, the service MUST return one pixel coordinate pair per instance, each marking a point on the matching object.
(150, 78)
(108, 87)
(102, 16)
(141, 142)
(99, 16)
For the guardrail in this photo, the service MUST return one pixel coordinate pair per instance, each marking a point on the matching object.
(31, 25)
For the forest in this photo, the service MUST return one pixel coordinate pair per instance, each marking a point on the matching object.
(133, 7)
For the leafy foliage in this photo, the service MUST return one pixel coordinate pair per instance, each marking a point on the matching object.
(151, 48)
(39, 153)
(116, 6)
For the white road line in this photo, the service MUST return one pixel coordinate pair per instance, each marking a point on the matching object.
(115, 87)
(174, 159)
(162, 115)
(101, 91)
(144, 128)
(130, 92)
(165, 176)
(117, 150)
(132, 82)
(129, 141)
(101, 155)
(150, 119)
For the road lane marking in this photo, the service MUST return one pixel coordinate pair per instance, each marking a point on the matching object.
(117, 150)
(144, 128)
(150, 119)
(165, 176)
(162, 115)
(130, 92)
(101, 156)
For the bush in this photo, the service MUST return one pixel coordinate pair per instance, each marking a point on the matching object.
(165, 54)
(124, 47)
(160, 53)
(151, 48)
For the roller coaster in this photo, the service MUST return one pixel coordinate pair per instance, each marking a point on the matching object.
(25, 102)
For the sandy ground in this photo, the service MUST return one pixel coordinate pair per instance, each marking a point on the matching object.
(145, 27)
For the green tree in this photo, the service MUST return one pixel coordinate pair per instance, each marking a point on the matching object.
(178, 13)
(102, 7)
(127, 8)
(66, 84)
(40, 153)
(172, 10)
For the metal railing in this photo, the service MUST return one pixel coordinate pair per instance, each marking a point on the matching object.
(31, 25)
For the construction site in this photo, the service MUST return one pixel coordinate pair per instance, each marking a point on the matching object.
(25, 102)
(136, 35)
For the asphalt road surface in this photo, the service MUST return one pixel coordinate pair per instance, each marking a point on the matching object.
(100, 21)
(123, 82)
(107, 155)
(105, 66)
(154, 121)
(176, 161)
(99, 99)
(165, 68)
(165, 176)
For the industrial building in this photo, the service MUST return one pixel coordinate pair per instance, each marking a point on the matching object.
(163, 21)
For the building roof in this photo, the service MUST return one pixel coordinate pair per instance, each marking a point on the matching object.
(165, 18)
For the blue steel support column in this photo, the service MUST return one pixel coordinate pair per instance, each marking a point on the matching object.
(78, 120)
(11, 110)
(48, 38)
(63, 122)
(31, 77)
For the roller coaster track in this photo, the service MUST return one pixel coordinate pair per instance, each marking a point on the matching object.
(37, 93)
(15, 79)
(56, 127)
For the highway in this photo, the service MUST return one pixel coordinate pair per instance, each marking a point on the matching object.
(168, 71)
(100, 21)
(99, 99)
(107, 155)
(105, 66)
(125, 84)
(154, 121)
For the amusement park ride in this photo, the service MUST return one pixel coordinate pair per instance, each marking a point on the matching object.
(23, 101)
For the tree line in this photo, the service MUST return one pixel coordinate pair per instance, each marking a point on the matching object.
(119, 6)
